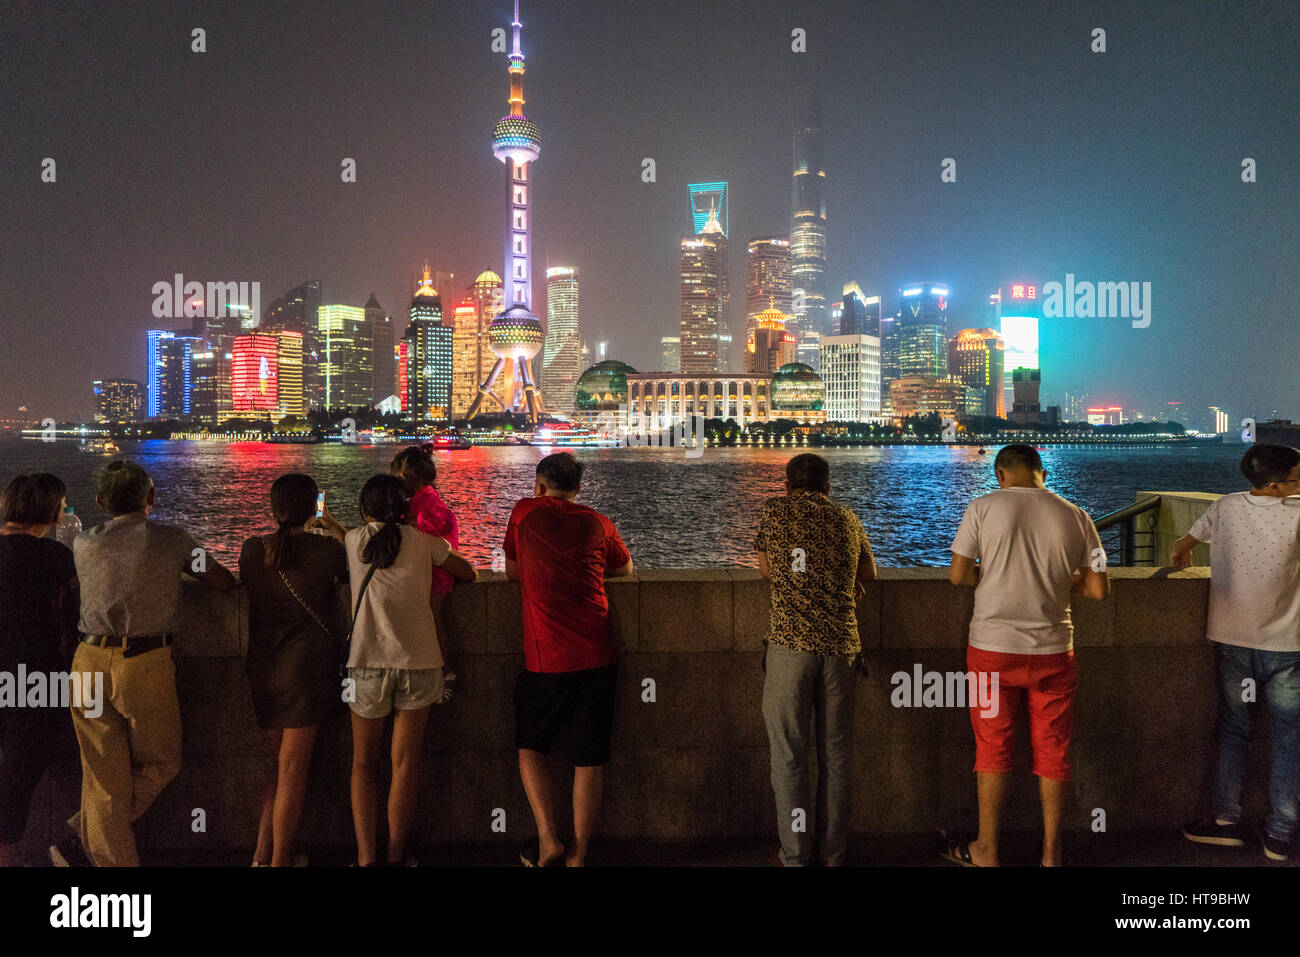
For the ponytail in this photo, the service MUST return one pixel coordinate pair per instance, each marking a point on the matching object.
(383, 499)
(279, 547)
(293, 502)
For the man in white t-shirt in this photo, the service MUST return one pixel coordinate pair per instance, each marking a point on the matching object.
(1254, 619)
(1026, 550)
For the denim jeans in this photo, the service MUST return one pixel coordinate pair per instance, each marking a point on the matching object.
(1276, 678)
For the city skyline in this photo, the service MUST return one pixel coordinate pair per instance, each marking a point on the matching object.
(1161, 210)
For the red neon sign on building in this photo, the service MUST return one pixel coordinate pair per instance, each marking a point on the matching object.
(401, 374)
(254, 373)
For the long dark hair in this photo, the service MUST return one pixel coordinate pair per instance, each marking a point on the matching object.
(293, 501)
(383, 498)
(414, 465)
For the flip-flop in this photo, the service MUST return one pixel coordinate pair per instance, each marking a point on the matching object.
(954, 851)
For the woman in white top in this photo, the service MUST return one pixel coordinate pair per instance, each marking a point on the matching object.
(394, 661)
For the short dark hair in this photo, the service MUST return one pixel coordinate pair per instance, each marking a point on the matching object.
(33, 499)
(1268, 463)
(808, 471)
(123, 487)
(562, 470)
(1018, 456)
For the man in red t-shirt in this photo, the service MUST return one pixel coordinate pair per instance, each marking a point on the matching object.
(561, 552)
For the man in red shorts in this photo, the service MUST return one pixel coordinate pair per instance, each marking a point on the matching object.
(561, 553)
(1026, 550)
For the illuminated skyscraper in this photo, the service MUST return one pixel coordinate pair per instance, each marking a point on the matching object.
(923, 331)
(714, 231)
(767, 279)
(560, 357)
(773, 347)
(383, 354)
(709, 199)
(516, 334)
(672, 353)
(117, 400)
(850, 367)
(170, 372)
(975, 356)
(344, 341)
(295, 311)
(428, 343)
(488, 294)
(808, 217)
(1020, 309)
(465, 340)
(255, 375)
(856, 314)
(289, 374)
(700, 270)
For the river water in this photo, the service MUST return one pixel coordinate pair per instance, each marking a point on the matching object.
(672, 511)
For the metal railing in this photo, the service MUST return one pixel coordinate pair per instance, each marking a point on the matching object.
(1125, 526)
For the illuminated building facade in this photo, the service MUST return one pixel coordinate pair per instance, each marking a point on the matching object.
(808, 217)
(515, 335)
(856, 314)
(709, 200)
(923, 331)
(975, 356)
(1021, 309)
(488, 294)
(767, 279)
(117, 400)
(700, 292)
(210, 386)
(560, 357)
(289, 375)
(344, 360)
(170, 373)
(714, 231)
(656, 400)
(254, 375)
(295, 311)
(924, 395)
(672, 353)
(850, 367)
(465, 353)
(428, 344)
(772, 347)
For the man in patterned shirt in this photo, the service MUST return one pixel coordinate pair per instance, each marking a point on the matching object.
(817, 558)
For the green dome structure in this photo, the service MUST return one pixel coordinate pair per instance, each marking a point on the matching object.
(603, 387)
(797, 388)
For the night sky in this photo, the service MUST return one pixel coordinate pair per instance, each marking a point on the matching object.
(226, 166)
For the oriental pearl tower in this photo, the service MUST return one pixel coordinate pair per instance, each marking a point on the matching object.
(515, 334)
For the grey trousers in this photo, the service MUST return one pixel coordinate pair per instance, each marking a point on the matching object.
(800, 685)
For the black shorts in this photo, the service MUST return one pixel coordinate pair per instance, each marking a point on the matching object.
(581, 701)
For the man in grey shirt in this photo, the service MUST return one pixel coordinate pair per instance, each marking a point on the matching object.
(130, 571)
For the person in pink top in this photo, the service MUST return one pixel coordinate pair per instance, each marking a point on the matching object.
(427, 512)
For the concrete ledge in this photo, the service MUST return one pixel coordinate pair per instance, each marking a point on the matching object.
(692, 764)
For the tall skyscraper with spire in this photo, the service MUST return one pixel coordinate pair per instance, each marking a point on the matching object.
(808, 217)
(516, 334)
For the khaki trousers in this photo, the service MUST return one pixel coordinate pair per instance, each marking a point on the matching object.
(129, 753)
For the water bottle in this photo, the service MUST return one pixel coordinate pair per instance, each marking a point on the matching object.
(69, 527)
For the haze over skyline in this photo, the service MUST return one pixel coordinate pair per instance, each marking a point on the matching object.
(224, 166)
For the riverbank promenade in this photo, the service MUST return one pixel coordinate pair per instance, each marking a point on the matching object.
(689, 778)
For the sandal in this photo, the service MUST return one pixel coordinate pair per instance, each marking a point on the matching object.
(954, 851)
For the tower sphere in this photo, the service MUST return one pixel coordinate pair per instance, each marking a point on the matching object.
(516, 137)
(515, 334)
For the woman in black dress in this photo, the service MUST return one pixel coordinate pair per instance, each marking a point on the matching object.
(292, 579)
(39, 607)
